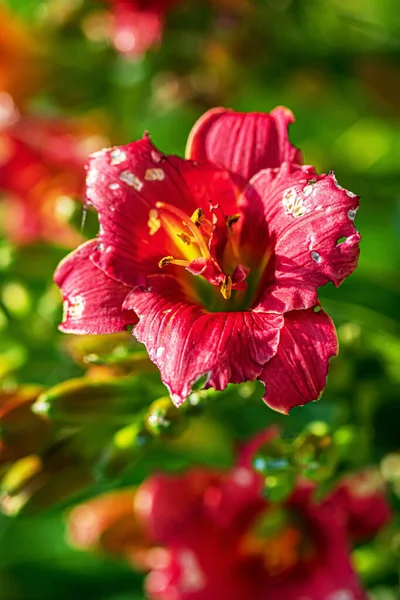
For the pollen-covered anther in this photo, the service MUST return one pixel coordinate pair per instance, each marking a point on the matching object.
(170, 260)
(198, 217)
(231, 220)
(226, 287)
(184, 237)
(154, 222)
(165, 261)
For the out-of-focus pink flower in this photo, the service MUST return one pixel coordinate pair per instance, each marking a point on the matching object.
(215, 537)
(137, 25)
(41, 172)
(219, 257)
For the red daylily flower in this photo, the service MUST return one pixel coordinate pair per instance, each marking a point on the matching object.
(137, 25)
(206, 534)
(41, 169)
(218, 256)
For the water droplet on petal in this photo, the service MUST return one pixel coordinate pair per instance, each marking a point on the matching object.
(352, 214)
(316, 257)
(288, 200)
(117, 156)
(293, 204)
(308, 190)
(73, 308)
(154, 175)
(160, 352)
(130, 179)
(113, 186)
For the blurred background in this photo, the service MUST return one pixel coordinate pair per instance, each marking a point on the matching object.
(78, 75)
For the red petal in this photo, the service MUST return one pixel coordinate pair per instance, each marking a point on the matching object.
(297, 373)
(365, 503)
(125, 183)
(243, 143)
(185, 341)
(92, 300)
(306, 222)
(164, 503)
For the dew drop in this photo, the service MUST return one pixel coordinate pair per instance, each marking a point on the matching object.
(307, 190)
(352, 214)
(113, 186)
(130, 179)
(117, 156)
(154, 175)
(73, 308)
(316, 257)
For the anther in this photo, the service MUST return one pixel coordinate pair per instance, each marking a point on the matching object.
(198, 217)
(184, 237)
(232, 219)
(165, 261)
(226, 287)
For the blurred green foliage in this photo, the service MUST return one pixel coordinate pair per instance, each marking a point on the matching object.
(336, 64)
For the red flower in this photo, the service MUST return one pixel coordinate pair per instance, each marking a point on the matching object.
(219, 257)
(206, 535)
(138, 24)
(41, 168)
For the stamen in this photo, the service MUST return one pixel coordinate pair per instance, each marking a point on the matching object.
(170, 260)
(231, 220)
(198, 238)
(226, 287)
(184, 237)
(165, 261)
(198, 217)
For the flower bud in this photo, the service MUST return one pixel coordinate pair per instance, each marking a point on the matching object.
(164, 419)
(127, 446)
(34, 483)
(117, 399)
(22, 432)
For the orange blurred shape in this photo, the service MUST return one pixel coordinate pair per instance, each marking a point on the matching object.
(20, 68)
(108, 523)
